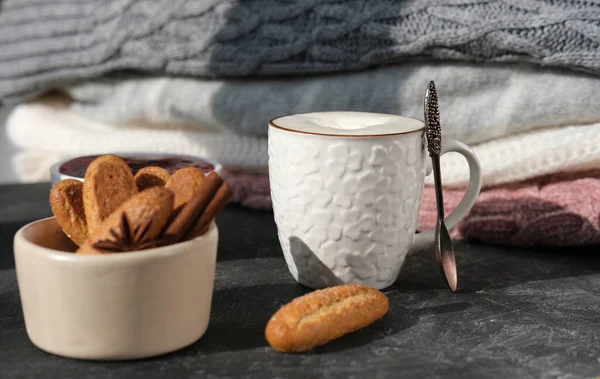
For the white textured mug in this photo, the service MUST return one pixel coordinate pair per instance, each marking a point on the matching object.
(346, 190)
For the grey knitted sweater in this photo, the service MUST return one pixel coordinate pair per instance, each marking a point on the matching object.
(49, 43)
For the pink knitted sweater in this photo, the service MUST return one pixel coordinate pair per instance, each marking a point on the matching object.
(556, 210)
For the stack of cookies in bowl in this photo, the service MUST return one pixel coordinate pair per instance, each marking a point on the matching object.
(125, 268)
(114, 211)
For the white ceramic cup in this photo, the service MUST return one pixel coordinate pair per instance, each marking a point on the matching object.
(346, 190)
(113, 306)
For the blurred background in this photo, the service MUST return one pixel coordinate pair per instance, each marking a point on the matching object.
(7, 151)
(517, 80)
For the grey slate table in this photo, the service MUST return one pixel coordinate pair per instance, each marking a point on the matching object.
(519, 313)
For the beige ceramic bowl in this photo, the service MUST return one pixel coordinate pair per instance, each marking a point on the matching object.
(113, 306)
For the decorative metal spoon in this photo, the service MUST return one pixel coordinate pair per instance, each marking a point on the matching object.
(444, 251)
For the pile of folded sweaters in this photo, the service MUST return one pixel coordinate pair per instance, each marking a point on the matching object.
(518, 81)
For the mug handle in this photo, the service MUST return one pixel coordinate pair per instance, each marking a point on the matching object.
(426, 239)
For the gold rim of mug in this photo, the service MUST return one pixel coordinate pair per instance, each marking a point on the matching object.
(274, 125)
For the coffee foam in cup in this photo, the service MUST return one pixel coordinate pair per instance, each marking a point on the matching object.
(348, 123)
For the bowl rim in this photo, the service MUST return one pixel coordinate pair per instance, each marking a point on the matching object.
(148, 254)
(55, 168)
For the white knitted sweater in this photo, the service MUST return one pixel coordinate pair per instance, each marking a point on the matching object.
(46, 131)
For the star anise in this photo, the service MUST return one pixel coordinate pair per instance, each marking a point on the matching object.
(125, 239)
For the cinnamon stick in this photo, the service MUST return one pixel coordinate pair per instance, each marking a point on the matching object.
(216, 205)
(193, 208)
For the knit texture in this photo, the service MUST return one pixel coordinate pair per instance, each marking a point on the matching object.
(555, 210)
(477, 102)
(47, 128)
(249, 190)
(527, 155)
(48, 43)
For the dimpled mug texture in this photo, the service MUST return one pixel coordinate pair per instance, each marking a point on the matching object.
(346, 207)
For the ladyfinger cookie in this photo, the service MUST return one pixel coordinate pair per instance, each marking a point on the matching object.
(108, 183)
(184, 183)
(66, 201)
(192, 211)
(324, 315)
(151, 176)
(146, 214)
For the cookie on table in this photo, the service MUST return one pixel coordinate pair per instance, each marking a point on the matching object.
(321, 316)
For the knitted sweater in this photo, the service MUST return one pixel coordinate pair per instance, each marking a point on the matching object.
(47, 131)
(562, 209)
(477, 102)
(47, 43)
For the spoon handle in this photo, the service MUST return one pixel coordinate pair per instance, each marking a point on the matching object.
(437, 179)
